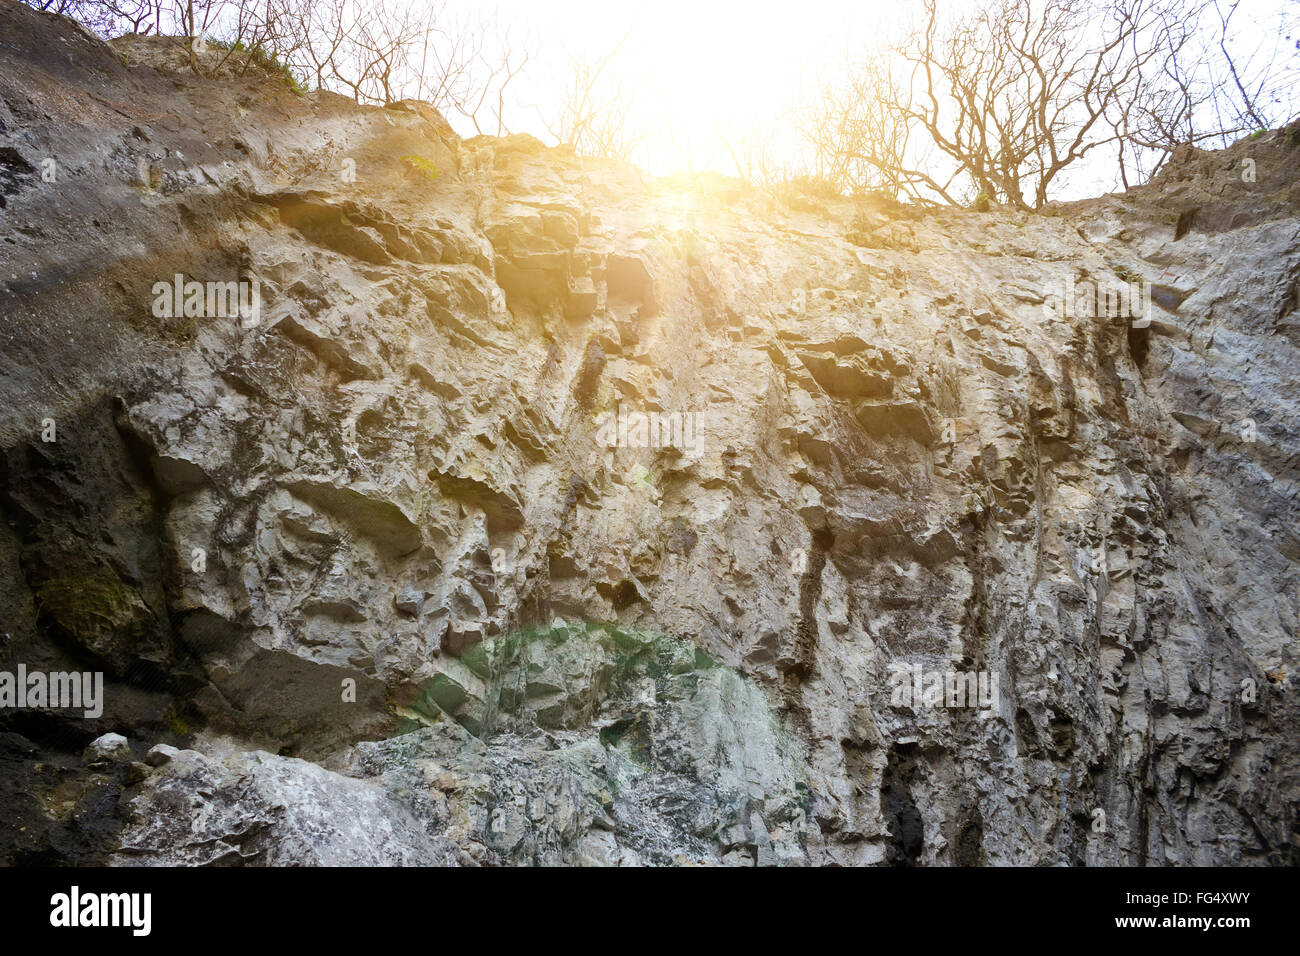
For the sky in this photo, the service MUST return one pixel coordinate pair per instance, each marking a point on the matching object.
(702, 75)
(702, 70)
(696, 69)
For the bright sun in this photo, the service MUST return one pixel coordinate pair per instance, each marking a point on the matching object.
(700, 72)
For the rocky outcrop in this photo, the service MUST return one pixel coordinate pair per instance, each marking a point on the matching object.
(534, 512)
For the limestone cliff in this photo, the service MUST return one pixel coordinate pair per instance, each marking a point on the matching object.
(391, 567)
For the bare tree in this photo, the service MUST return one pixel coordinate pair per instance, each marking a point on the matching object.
(107, 17)
(593, 114)
(862, 138)
(1017, 93)
(1263, 84)
(376, 51)
(755, 154)
(1005, 101)
(1202, 92)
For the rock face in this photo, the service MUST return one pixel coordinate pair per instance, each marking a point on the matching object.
(531, 512)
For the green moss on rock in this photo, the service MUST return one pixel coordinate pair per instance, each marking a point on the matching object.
(96, 609)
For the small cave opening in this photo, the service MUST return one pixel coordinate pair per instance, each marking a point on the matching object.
(810, 592)
(1139, 346)
(968, 848)
(906, 828)
(1025, 732)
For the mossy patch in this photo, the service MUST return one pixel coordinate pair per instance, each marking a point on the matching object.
(421, 165)
(177, 724)
(267, 61)
(558, 676)
(94, 607)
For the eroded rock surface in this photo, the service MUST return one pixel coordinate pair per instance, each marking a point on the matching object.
(369, 584)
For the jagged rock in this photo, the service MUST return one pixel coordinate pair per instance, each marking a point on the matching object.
(409, 601)
(259, 808)
(317, 554)
(160, 754)
(110, 748)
